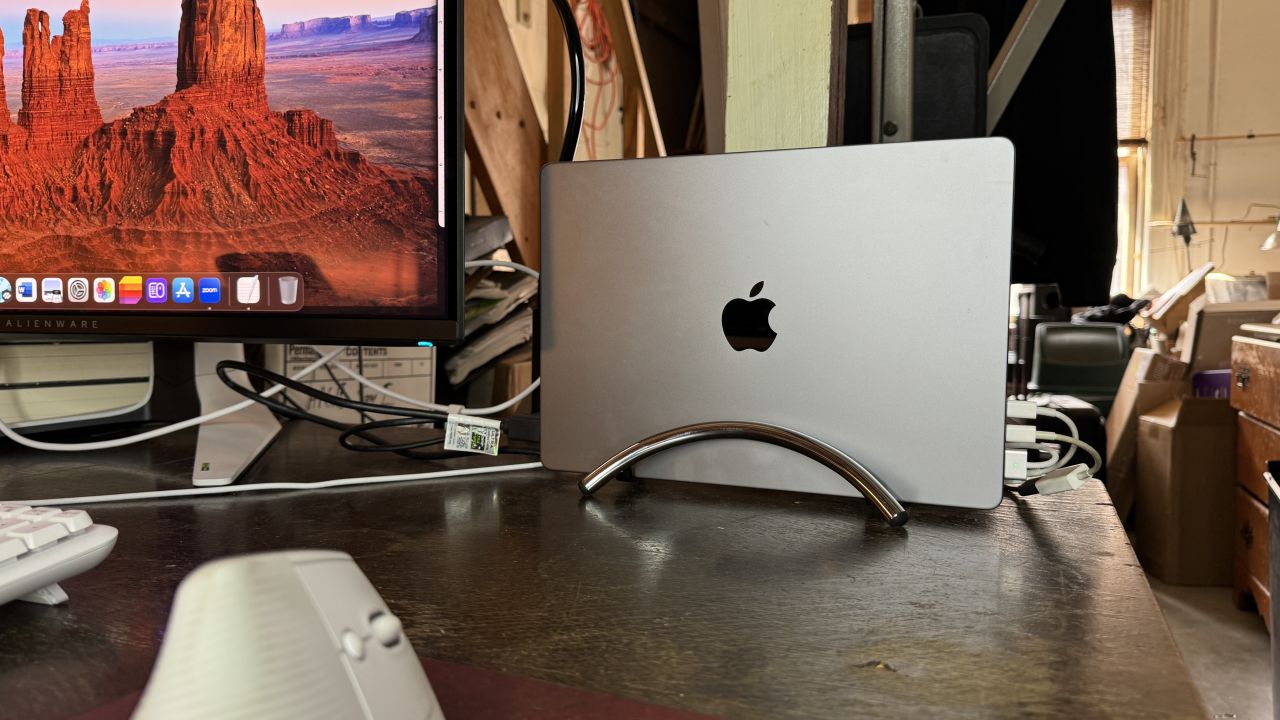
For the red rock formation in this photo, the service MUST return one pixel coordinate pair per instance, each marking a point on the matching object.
(4, 99)
(427, 30)
(326, 26)
(310, 129)
(59, 108)
(409, 18)
(222, 49)
(175, 165)
(210, 171)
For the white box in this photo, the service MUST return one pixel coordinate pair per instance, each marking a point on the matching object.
(408, 371)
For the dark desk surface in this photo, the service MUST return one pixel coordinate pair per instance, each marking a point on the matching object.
(724, 601)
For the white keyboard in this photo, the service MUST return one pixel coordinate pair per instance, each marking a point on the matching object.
(41, 547)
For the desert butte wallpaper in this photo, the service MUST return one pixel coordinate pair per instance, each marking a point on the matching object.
(225, 144)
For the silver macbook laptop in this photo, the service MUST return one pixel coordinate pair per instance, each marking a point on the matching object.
(859, 295)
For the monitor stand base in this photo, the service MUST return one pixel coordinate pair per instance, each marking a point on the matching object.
(227, 446)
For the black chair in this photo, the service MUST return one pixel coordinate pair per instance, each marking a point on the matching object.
(1082, 360)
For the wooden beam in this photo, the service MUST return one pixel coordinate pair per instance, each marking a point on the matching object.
(783, 72)
(712, 30)
(626, 50)
(839, 64)
(557, 83)
(696, 134)
(504, 139)
(634, 120)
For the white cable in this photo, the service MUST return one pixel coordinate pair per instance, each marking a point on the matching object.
(1038, 447)
(1052, 463)
(494, 410)
(1065, 418)
(1032, 469)
(346, 370)
(263, 487)
(168, 429)
(1071, 425)
(505, 405)
(476, 264)
(1055, 437)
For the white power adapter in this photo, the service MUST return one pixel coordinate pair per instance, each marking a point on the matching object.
(1015, 464)
(1020, 409)
(1020, 433)
(1061, 480)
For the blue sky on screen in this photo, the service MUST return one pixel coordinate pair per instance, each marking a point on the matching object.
(115, 20)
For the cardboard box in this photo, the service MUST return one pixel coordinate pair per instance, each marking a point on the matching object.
(1186, 491)
(513, 373)
(406, 370)
(1210, 326)
(1169, 310)
(1150, 380)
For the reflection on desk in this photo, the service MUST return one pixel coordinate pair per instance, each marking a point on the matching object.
(716, 600)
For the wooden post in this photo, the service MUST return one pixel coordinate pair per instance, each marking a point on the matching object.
(634, 124)
(504, 138)
(711, 26)
(626, 51)
(557, 83)
(783, 73)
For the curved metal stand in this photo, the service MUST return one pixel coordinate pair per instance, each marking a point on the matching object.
(858, 476)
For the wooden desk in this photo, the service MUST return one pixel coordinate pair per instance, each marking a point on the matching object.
(732, 602)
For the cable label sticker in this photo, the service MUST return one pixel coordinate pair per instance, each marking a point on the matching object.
(479, 435)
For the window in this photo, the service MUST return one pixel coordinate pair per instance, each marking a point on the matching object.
(1131, 22)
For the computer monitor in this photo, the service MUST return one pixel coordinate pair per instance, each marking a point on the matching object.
(233, 170)
(238, 170)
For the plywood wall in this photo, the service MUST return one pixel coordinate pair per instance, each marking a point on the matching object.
(774, 72)
(539, 42)
(1215, 73)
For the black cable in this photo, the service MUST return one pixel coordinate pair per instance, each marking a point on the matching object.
(577, 80)
(364, 416)
(280, 408)
(365, 430)
(413, 416)
(359, 386)
(224, 367)
(252, 371)
(362, 430)
(291, 402)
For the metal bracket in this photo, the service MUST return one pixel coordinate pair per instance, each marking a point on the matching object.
(851, 470)
(893, 48)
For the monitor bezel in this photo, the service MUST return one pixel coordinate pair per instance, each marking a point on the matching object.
(294, 327)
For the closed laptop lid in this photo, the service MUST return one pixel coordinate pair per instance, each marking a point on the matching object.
(883, 271)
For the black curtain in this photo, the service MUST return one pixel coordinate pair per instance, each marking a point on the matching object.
(1062, 122)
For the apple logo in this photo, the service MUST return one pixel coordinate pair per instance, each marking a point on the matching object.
(746, 322)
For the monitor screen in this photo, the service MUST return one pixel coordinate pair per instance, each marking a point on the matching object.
(236, 169)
